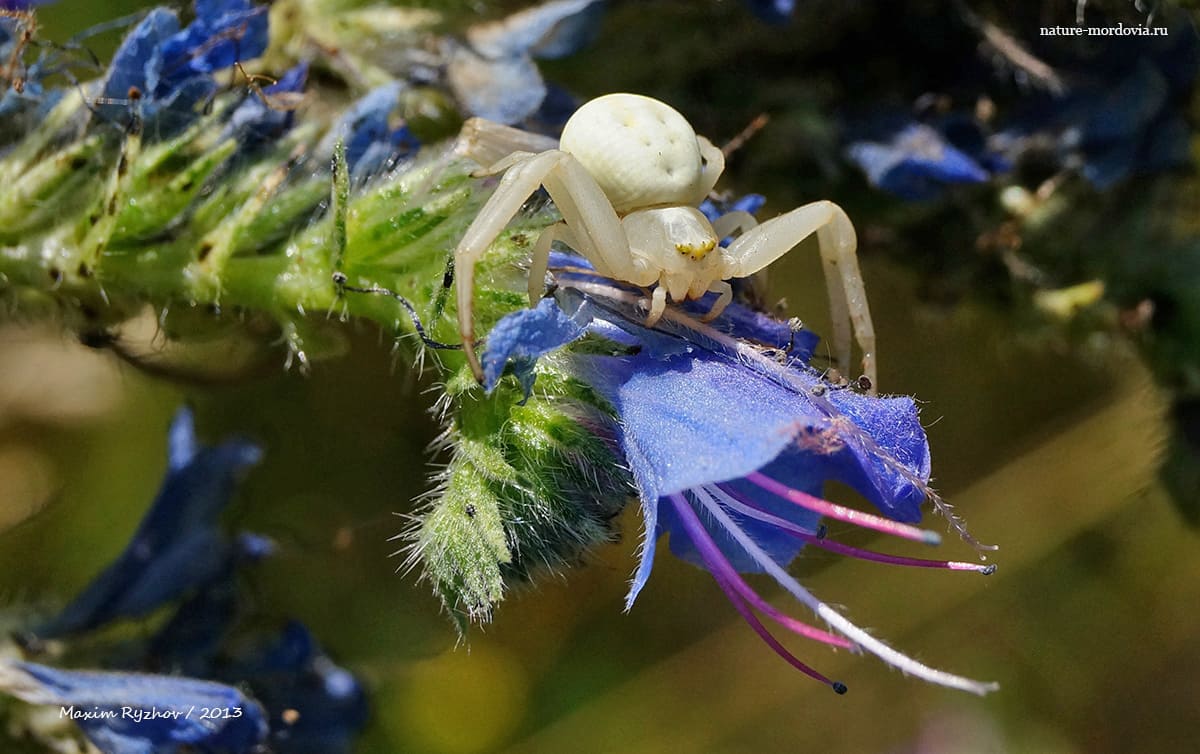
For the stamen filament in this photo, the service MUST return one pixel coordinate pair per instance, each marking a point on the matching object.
(896, 659)
(842, 513)
(719, 566)
(748, 509)
(699, 536)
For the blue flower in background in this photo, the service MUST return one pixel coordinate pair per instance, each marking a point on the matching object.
(918, 161)
(314, 706)
(775, 12)
(179, 545)
(164, 68)
(137, 713)
(494, 75)
(302, 703)
(223, 33)
(730, 436)
(262, 119)
(372, 140)
(1134, 124)
(22, 4)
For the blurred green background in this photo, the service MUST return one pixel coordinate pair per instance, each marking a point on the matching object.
(1045, 445)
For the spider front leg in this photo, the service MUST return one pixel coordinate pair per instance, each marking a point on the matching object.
(592, 227)
(759, 246)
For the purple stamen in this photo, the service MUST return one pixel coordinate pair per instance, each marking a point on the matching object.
(841, 513)
(747, 508)
(719, 568)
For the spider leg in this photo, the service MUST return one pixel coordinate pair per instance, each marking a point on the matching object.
(758, 247)
(733, 222)
(595, 230)
(516, 185)
(726, 295)
(658, 305)
(541, 260)
(487, 143)
(592, 226)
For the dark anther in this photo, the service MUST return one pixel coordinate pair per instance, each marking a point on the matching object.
(470, 509)
(839, 687)
(989, 570)
(818, 390)
(134, 93)
(863, 383)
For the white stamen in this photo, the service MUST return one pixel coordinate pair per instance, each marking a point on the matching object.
(836, 620)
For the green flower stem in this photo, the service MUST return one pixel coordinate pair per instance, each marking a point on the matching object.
(103, 219)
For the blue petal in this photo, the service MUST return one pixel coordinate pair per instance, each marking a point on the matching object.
(177, 547)
(293, 673)
(170, 708)
(551, 30)
(256, 121)
(368, 134)
(690, 421)
(223, 33)
(915, 164)
(139, 53)
(772, 11)
(1124, 110)
(525, 335)
(182, 445)
(896, 437)
(505, 90)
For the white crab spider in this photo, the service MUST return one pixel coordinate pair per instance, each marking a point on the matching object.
(627, 177)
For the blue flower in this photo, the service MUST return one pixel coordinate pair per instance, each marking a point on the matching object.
(162, 68)
(371, 138)
(493, 75)
(262, 120)
(22, 4)
(136, 713)
(314, 706)
(178, 547)
(775, 12)
(1135, 123)
(311, 704)
(223, 33)
(730, 436)
(916, 162)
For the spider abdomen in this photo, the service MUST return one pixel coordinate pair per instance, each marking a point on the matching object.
(640, 151)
